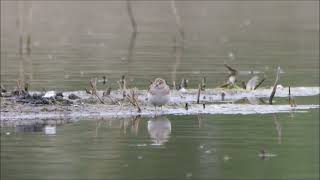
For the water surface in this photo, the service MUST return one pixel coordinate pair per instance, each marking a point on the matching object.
(170, 147)
(73, 42)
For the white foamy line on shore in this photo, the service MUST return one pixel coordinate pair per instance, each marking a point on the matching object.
(195, 109)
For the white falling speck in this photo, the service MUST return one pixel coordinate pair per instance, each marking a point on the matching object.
(140, 157)
(247, 22)
(123, 58)
(231, 55)
(224, 39)
(226, 158)
(36, 44)
(188, 175)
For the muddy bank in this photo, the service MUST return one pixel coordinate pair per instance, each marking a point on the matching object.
(77, 104)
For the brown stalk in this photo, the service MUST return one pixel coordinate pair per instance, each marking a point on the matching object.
(132, 99)
(291, 99)
(203, 83)
(20, 88)
(93, 84)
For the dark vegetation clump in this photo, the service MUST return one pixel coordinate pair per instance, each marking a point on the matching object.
(32, 99)
(3, 90)
(73, 97)
(38, 99)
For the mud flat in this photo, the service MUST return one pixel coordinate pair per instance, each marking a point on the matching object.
(79, 104)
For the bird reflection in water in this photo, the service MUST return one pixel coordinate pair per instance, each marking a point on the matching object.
(159, 129)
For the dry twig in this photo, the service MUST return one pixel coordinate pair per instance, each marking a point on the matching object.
(133, 100)
(93, 84)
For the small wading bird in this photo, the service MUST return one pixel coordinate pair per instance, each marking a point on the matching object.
(232, 77)
(159, 93)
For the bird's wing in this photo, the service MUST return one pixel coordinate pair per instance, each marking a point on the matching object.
(232, 71)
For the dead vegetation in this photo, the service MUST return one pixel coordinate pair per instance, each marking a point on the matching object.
(128, 95)
(274, 89)
(93, 91)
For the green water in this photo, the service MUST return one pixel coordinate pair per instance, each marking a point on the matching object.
(198, 147)
(73, 42)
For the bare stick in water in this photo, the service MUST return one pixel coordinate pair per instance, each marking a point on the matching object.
(130, 54)
(289, 95)
(130, 13)
(291, 99)
(203, 83)
(198, 96)
(178, 50)
(20, 25)
(178, 19)
(180, 40)
(29, 29)
(274, 86)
